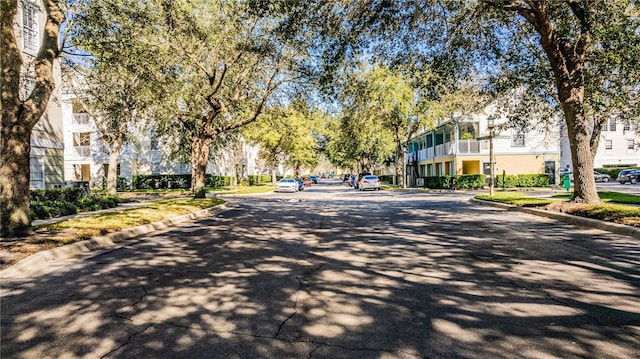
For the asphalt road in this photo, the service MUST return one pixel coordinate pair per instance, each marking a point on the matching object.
(334, 273)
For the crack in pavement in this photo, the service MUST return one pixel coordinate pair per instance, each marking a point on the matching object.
(591, 316)
(317, 343)
(127, 341)
(302, 283)
(295, 308)
(123, 315)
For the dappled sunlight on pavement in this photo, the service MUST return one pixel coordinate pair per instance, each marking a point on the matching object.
(430, 277)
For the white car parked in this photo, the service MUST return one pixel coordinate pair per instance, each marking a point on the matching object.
(369, 182)
(287, 185)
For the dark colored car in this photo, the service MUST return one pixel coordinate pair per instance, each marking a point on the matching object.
(631, 176)
(300, 184)
(314, 179)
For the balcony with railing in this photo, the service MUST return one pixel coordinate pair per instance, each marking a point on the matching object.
(468, 146)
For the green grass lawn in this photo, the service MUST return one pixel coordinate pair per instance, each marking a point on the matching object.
(256, 188)
(614, 210)
(108, 222)
(517, 199)
(608, 196)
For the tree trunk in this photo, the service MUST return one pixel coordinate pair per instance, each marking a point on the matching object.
(584, 185)
(567, 62)
(274, 178)
(19, 117)
(14, 181)
(400, 166)
(112, 172)
(199, 158)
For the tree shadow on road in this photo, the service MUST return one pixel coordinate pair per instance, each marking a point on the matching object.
(354, 279)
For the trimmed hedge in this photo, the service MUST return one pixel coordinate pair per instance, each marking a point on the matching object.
(66, 194)
(184, 181)
(523, 180)
(63, 202)
(462, 181)
(253, 179)
(613, 171)
(387, 178)
(160, 181)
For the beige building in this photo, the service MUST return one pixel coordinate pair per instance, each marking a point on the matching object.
(462, 146)
(47, 156)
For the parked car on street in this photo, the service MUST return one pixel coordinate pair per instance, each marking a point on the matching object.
(314, 179)
(632, 176)
(369, 182)
(307, 181)
(287, 185)
(356, 182)
(601, 177)
(300, 184)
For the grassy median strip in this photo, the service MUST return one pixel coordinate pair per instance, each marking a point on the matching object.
(517, 199)
(608, 196)
(618, 213)
(256, 188)
(78, 229)
(152, 212)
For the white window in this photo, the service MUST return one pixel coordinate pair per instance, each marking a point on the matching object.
(82, 139)
(155, 168)
(612, 125)
(36, 166)
(608, 144)
(631, 144)
(517, 140)
(184, 168)
(82, 143)
(29, 26)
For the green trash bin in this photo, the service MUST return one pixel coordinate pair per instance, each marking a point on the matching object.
(566, 181)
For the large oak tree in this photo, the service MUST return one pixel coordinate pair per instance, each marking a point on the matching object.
(579, 55)
(20, 114)
(229, 61)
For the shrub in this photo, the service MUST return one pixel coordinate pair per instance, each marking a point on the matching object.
(613, 171)
(506, 181)
(462, 181)
(533, 180)
(387, 178)
(72, 194)
(217, 181)
(41, 209)
(253, 179)
(51, 209)
(122, 183)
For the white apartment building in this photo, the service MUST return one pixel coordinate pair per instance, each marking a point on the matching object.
(619, 146)
(86, 158)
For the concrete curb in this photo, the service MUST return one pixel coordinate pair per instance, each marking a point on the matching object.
(44, 261)
(577, 220)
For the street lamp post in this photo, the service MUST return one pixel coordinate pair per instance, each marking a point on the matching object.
(491, 126)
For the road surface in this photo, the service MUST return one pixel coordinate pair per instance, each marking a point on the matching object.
(335, 273)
